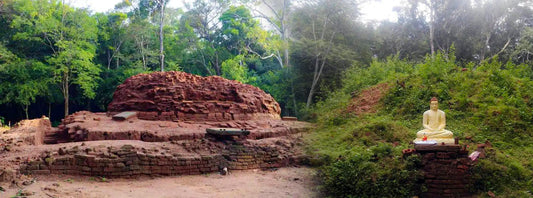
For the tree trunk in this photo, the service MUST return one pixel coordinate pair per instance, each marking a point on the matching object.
(485, 48)
(310, 95)
(319, 66)
(161, 52)
(65, 86)
(142, 51)
(431, 39)
(432, 28)
(217, 65)
(286, 54)
(26, 111)
(49, 109)
(109, 59)
(66, 104)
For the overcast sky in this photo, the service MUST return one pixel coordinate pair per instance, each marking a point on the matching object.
(372, 10)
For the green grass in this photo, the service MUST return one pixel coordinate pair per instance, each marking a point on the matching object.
(491, 102)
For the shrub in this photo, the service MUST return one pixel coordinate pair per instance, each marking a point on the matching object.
(502, 174)
(371, 174)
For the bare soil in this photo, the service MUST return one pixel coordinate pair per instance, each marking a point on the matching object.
(368, 99)
(283, 182)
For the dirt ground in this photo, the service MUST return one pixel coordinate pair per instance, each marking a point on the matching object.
(283, 182)
(368, 99)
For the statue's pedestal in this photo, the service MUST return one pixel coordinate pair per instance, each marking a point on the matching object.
(445, 170)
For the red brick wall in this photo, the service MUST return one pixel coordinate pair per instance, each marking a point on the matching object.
(446, 171)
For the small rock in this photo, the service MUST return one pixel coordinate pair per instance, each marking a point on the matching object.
(26, 193)
(27, 183)
(127, 147)
(61, 151)
(224, 171)
(51, 189)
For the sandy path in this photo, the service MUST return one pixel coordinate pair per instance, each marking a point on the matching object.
(285, 182)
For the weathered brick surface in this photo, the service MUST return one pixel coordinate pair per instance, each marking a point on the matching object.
(129, 162)
(446, 171)
(178, 95)
(88, 126)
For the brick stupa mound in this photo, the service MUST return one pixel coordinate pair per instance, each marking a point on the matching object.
(182, 96)
(162, 132)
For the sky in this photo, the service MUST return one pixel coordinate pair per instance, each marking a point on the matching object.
(106, 5)
(377, 10)
(380, 10)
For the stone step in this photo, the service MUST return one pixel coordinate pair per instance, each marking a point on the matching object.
(49, 140)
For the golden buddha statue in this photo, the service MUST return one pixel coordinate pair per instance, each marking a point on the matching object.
(434, 122)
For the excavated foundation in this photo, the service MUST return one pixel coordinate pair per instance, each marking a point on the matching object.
(130, 161)
(156, 125)
(156, 150)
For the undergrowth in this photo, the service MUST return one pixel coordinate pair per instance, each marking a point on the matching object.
(360, 155)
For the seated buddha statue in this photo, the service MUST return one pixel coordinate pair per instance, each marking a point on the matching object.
(434, 121)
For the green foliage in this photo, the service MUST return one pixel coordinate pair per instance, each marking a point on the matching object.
(235, 69)
(238, 27)
(357, 77)
(375, 173)
(21, 82)
(503, 174)
(522, 52)
(70, 36)
(491, 103)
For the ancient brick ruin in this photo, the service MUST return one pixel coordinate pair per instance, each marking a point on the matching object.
(163, 133)
(446, 170)
(183, 96)
(130, 161)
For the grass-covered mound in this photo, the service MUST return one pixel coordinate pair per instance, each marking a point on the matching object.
(361, 152)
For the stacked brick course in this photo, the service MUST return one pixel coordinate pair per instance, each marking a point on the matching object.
(172, 96)
(130, 162)
(446, 170)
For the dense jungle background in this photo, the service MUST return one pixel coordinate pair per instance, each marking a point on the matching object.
(317, 58)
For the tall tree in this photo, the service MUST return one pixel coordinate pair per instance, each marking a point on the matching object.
(277, 15)
(111, 36)
(71, 36)
(21, 82)
(161, 4)
(324, 33)
(500, 23)
(203, 19)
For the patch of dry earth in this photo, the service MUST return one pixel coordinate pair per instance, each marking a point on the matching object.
(284, 182)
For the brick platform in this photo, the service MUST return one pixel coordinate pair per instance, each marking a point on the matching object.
(446, 170)
(130, 161)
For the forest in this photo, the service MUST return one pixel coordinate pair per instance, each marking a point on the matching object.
(313, 57)
(57, 59)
